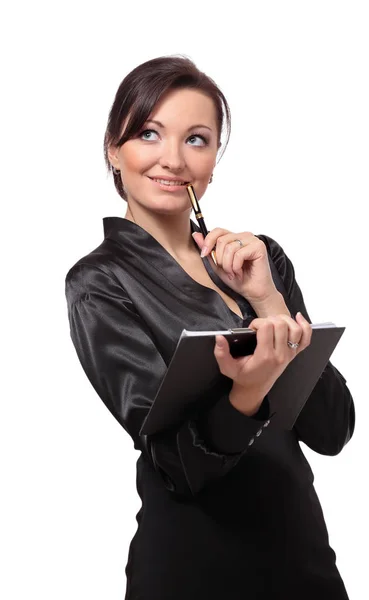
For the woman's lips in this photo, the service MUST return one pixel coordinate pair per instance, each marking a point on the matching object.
(169, 187)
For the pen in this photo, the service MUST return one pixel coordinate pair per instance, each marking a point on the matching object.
(199, 216)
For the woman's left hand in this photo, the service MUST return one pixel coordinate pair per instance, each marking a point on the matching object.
(245, 269)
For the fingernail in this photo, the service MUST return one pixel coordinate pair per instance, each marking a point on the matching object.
(219, 342)
(204, 251)
(231, 277)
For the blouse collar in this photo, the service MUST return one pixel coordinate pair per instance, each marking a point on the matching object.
(140, 244)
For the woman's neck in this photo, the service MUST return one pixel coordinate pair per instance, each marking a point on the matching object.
(173, 232)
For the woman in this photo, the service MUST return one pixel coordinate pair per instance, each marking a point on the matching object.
(229, 508)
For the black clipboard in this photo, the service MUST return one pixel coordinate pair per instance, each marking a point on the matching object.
(194, 370)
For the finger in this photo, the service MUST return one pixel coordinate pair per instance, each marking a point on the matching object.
(228, 365)
(281, 332)
(294, 330)
(249, 252)
(227, 258)
(306, 331)
(226, 246)
(219, 237)
(264, 338)
(199, 239)
(211, 239)
(220, 247)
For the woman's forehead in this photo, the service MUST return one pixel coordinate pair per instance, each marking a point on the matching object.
(186, 107)
(181, 109)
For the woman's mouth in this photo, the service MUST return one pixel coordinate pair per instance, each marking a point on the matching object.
(168, 184)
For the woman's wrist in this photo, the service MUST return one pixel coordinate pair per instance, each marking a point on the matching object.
(271, 306)
(244, 400)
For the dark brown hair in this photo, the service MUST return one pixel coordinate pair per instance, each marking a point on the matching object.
(140, 91)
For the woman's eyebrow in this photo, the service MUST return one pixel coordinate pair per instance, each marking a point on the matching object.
(189, 129)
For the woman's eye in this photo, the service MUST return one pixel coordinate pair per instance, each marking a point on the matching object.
(148, 134)
(197, 140)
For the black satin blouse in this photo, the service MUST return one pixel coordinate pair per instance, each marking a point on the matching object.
(229, 510)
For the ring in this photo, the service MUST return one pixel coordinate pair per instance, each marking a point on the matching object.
(240, 243)
(293, 345)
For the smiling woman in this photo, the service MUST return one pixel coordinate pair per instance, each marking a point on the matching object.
(229, 510)
(156, 162)
(176, 152)
(132, 113)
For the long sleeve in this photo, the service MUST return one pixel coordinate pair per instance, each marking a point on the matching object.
(327, 421)
(122, 362)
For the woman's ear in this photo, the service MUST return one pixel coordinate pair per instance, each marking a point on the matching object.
(112, 155)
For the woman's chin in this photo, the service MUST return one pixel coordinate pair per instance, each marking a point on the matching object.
(168, 204)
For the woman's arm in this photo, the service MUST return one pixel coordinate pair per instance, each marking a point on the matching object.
(327, 421)
(124, 366)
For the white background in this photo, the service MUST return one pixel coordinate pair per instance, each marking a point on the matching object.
(296, 77)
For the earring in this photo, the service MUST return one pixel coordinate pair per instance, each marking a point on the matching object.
(115, 171)
(211, 178)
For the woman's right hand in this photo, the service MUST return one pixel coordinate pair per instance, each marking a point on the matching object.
(253, 376)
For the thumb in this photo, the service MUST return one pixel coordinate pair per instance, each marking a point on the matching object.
(199, 239)
(223, 356)
(228, 366)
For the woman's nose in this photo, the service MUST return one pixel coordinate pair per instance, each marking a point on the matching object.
(172, 156)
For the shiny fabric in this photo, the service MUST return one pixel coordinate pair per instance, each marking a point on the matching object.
(220, 517)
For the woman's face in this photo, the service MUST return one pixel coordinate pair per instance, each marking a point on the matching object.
(178, 144)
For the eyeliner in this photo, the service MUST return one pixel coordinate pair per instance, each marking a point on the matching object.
(199, 216)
